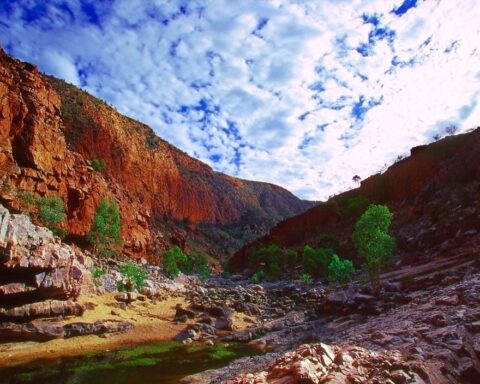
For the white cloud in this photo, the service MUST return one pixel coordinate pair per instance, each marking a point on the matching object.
(299, 93)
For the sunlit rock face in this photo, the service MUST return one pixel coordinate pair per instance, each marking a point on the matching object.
(51, 131)
(39, 276)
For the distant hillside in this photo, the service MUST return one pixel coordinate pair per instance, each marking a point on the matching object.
(434, 195)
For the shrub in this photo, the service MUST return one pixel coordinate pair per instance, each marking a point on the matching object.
(133, 277)
(340, 270)
(316, 261)
(271, 257)
(60, 232)
(202, 268)
(306, 278)
(29, 198)
(98, 164)
(97, 273)
(259, 276)
(173, 260)
(105, 230)
(51, 210)
(372, 240)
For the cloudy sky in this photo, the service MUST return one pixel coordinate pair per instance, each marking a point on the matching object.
(304, 94)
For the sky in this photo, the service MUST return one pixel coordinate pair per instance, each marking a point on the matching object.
(303, 94)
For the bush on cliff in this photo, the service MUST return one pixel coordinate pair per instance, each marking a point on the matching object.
(105, 230)
(98, 164)
(51, 210)
(373, 241)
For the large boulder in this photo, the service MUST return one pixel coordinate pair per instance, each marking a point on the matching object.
(39, 275)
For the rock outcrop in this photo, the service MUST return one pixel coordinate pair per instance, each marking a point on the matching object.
(39, 276)
(51, 131)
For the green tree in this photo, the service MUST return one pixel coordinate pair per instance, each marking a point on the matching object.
(271, 257)
(340, 270)
(316, 261)
(173, 260)
(105, 230)
(133, 278)
(373, 241)
(51, 210)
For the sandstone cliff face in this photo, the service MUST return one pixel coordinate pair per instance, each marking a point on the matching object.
(49, 133)
(434, 195)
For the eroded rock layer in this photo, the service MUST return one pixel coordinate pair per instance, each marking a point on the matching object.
(39, 276)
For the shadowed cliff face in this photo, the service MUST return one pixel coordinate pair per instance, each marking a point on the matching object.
(49, 133)
(434, 195)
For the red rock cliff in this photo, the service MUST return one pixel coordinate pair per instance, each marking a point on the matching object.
(49, 132)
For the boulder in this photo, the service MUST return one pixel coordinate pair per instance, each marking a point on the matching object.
(39, 275)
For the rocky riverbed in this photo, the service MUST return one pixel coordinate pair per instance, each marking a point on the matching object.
(422, 327)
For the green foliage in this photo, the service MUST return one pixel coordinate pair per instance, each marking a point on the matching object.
(340, 270)
(133, 277)
(105, 230)
(316, 261)
(98, 164)
(29, 198)
(372, 240)
(200, 265)
(51, 210)
(274, 261)
(259, 276)
(97, 273)
(173, 260)
(60, 232)
(306, 279)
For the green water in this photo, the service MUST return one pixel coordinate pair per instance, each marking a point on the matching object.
(158, 363)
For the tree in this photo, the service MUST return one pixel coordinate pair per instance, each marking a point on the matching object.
(316, 261)
(272, 257)
(340, 270)
(51, 210)
(105, 230)
(133, 278)
(173, 260)
(373, 242)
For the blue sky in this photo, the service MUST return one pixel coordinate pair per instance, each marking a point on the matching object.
(304, 94)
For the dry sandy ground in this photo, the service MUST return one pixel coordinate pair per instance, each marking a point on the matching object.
(152, 323)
